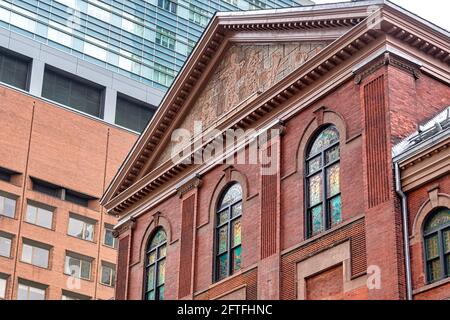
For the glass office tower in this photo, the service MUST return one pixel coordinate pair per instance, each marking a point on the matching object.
(147, 40)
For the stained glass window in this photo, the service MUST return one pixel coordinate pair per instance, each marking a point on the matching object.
(228, 232)
(437, 245)
(324, 205)
(156, 266)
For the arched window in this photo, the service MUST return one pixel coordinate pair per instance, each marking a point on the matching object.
(155, 266)
(323, 193)
(436, 234)
(228, 232)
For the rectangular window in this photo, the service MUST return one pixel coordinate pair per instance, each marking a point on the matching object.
(67, 295)
(35, 255)
(39, 216)
(2, 288)
(7, 206)
(198, 15)
(29, 292)
(133, 114)
(108, 274)
(73, 92)
(14, 70)
(78, 266)
(5, 246)
(6, 174)
(165, 38)
(59, 192)
(168, 5)
(81, 228)
(109, 240)
(163, 75)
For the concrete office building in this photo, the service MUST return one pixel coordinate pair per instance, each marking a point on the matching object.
(66, 125)
(144, 40)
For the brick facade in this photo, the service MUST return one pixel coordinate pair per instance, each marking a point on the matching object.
(44, 141)
(373, 107)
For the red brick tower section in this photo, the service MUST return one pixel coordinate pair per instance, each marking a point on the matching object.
(270, 248)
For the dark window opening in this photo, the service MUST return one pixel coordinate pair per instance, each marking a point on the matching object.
(436, 234)
(73, 92)
(61, 193)
(155, 266)
(6, 174)
(323, 192)
(133, 114)
(14, 69)
(228, 233)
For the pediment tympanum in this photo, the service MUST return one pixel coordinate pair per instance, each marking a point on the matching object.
(243, 70)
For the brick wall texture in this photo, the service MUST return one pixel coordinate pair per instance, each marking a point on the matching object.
(371, 115)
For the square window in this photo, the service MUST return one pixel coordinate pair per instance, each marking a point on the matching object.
(81, 229)
(35, 255)
(109, 239)
(7, 207)
(108, 275)
(3, 288)
(5, 246)
(39, 216)
(78, 267)
(28, 292)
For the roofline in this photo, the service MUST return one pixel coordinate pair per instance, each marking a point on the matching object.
(232, 17)
(420, 147)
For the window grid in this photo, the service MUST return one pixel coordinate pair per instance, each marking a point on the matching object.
(39, 216)
(81, 229)
(109, 240)
(84, 27)
(155, 266)
(78, 267)
(28, 292)
(5, 246)
(108, 275)
(7, 207)
(320, 174)
(35, 255)
(228, 219)
(437, 246)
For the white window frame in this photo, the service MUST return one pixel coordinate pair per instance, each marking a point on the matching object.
(81, 260)
(33, 255)
(84, 229)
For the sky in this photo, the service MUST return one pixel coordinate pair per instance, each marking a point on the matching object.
(435, 11)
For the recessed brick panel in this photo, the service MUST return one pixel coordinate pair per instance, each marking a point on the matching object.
(327, 285)
(187, 237)
(289, 261)
(376, 140)
(122, 269)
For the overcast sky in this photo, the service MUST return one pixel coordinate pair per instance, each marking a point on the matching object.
(436, 11)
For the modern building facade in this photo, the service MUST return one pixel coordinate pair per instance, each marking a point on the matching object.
(66, 126)
(148, 41)
(304, 202)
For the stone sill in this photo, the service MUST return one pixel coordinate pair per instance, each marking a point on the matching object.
(431, 286)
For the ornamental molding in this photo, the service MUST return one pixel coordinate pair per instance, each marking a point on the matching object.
(194, 183)
(123, 228)
(387, 59)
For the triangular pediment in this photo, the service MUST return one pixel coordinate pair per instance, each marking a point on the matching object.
(272, 54)
(243, 70)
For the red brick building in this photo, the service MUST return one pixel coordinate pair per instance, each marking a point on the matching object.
(337, 87)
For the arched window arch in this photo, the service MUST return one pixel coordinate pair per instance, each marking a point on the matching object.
(436, 234)
(322, 172)
(228, 232)
(155, 266)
